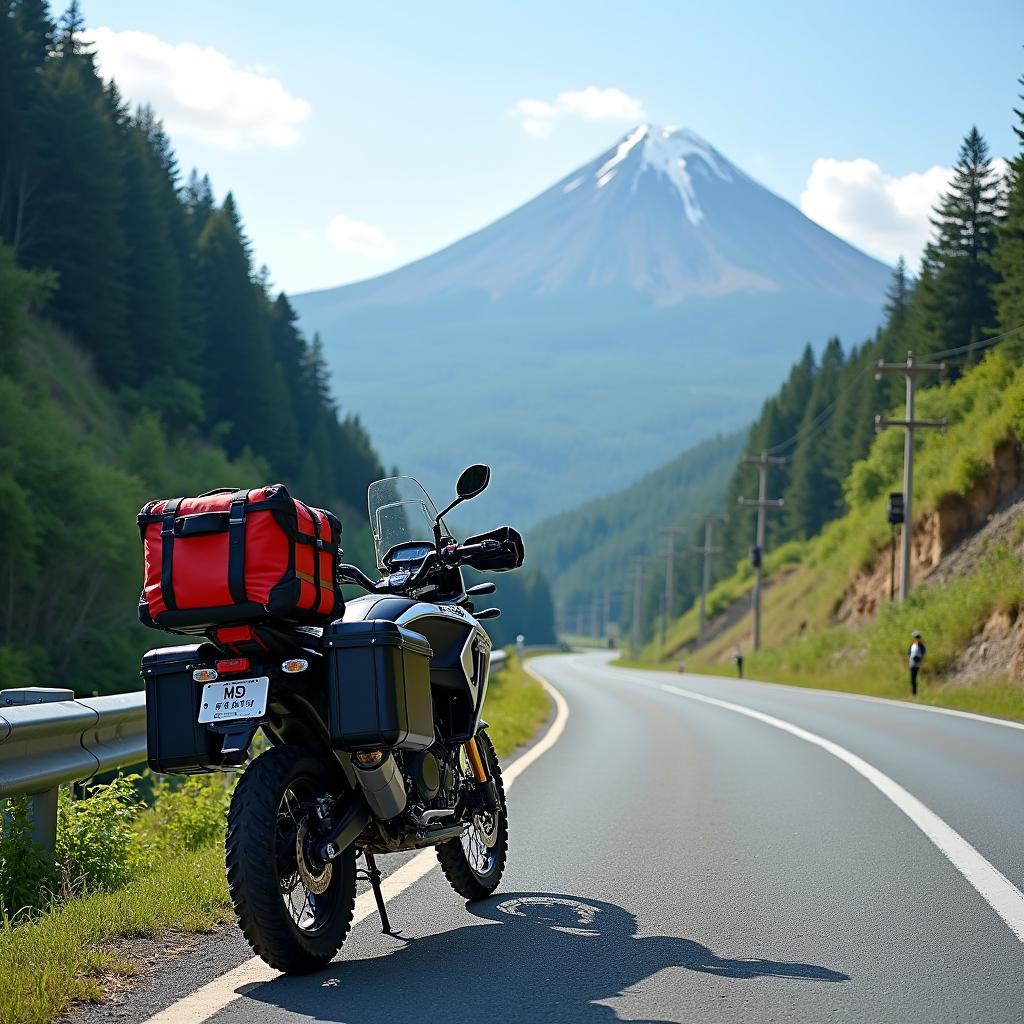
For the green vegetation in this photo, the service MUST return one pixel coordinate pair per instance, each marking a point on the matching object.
(971, 281)
(596, 541)
(833, 528)
(872, 659)
(807, 579)
(125, 871)
(165, 365)
(526, 604)
(516, 707)
(48, 964)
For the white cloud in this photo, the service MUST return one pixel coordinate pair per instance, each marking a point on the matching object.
(591, 104)
(348, 235)
(200, 92)
(886, 216)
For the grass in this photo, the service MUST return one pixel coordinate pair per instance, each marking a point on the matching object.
(872, 659)
(60, 959)
(67, 956)
(516, 707)
(806, 580)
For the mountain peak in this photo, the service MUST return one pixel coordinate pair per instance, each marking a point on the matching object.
(674, 154)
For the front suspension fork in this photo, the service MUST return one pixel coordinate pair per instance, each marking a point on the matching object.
(485, 784)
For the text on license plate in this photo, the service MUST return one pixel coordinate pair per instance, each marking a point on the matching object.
(239, 698)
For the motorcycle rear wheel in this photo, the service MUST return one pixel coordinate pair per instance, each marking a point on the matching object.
(293, 910)
(474, 863)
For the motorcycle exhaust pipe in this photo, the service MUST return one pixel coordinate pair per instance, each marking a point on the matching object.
(381, 782)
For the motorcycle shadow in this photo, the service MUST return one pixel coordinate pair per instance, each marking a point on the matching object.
(530, 957)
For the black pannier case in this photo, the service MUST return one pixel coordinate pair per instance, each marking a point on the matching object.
(175, 742)
(378, 686)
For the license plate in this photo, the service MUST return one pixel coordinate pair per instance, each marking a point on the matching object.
(239, 698)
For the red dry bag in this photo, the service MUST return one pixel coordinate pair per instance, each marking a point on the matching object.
(238, 556)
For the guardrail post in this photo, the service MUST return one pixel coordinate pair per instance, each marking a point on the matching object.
(44, 804)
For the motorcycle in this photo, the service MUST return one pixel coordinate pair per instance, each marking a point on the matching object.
(377, 743)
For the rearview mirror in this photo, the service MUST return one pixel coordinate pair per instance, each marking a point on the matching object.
(473, 481)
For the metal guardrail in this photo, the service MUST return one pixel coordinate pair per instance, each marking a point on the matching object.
(49, 739)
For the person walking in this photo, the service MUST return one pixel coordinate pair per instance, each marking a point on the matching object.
(917, 653)
(738, 658)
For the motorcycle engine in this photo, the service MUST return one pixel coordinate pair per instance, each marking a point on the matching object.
(434, 776)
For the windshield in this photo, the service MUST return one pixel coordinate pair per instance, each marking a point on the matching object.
(401, 512)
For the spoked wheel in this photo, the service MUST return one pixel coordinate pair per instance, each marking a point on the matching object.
(294, 909)
(473, 863)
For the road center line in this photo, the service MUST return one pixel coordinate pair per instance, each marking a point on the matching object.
(202, 1004)
(992, 885)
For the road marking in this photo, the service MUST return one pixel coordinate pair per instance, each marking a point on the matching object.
(1009, 723)
(992, 885)
(202, 1004)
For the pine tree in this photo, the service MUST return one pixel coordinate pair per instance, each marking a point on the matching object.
(26, 36)
(897, 301)
(956, 305)
(245, 389)
(1008, 256)
(82, 234)
(814, 492)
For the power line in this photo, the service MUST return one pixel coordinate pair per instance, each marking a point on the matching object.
(976, 346)
(822, 418)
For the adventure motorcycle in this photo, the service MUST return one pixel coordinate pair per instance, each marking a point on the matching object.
(376, 741)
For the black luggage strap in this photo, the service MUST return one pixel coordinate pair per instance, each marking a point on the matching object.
(166, 551)
(236, 547)
(316, 556)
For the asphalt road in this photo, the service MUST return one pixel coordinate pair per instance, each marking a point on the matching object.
(674, 859)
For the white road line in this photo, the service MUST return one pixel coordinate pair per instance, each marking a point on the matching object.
(905, 705)
(202, 1004)
(993, 886)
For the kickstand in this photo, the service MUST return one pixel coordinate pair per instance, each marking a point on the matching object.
(372, 875)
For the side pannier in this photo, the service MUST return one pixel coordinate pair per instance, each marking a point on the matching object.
(238, 556)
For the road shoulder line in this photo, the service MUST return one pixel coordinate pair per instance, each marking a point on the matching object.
(990, 883)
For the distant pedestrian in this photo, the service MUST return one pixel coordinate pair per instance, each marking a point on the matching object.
(917, 653)
(738, 658)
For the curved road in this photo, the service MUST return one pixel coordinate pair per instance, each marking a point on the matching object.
(698, 850)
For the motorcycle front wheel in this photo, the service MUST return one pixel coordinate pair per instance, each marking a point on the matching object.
(474, 863)
(294, 910)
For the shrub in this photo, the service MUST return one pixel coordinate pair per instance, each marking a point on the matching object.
(95, 836)
(26, 875)
(188, 814)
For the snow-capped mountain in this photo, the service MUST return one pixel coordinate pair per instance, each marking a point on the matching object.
(647, 300)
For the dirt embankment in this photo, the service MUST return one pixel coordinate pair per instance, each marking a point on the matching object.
(948, 540)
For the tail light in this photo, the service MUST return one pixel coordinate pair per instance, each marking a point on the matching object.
(228, 665)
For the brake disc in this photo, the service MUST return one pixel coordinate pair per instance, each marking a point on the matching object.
(315, 881)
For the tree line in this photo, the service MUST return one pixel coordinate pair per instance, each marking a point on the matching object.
(151, 275)
(969, 290)
(141, 355)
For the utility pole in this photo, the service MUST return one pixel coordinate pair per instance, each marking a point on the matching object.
(762, 463)
(707, 551)
(670, 556)
(910, 371)
(639, 578)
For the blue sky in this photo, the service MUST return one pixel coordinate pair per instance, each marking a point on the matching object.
(358, 137)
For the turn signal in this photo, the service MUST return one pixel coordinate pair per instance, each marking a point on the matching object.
(204, 675)
(369, 758)
(293, 665)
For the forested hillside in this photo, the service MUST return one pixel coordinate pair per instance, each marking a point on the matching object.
(589, 551)
(142, 356)
(968, 293)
